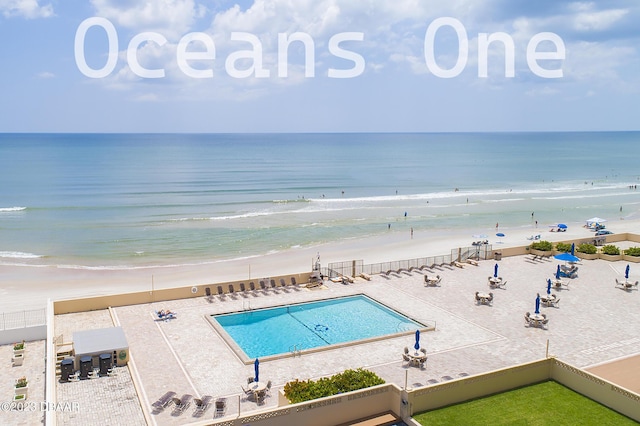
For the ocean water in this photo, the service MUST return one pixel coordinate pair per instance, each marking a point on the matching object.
(138, 200)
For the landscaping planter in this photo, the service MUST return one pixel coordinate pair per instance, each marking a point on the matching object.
(634, 259)
(587, 256)
(611, 257)
(21, 391)
(541, 253)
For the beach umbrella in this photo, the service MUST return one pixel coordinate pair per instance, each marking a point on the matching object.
(479, 236)
(548, 285)
(567, 257)
(417, 345)
(538, 304)
(500, 235)
(256, 367)
(558, 272)
(573, 248)
(626, 272)
(562, 226)
(495, 271)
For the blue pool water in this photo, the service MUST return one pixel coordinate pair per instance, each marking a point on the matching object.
(267, 332)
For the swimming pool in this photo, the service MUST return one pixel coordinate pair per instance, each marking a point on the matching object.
(312, 325)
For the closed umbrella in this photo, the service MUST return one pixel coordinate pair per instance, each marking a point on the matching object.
(417, 345)
(538, 304)
(626, 272)
(495, 271)
(549, 286)
(256, 365)
(573, 249)
(558, 273)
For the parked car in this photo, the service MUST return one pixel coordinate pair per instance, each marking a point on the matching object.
(603, 232)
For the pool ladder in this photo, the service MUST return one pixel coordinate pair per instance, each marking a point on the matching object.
(295, 350)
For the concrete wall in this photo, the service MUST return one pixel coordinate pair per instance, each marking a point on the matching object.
(602, 391)
(332, 410)
(104, 302)
(371, 401)
(28, 334)
(464, 389)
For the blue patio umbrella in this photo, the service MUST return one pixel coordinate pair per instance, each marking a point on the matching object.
(256, 365)
(567, 257)
(549, 286)
(495, 271)
(562, 226)
(558, 273)
(538, 304)
(417, 345)
(626, 272)
(573, 249)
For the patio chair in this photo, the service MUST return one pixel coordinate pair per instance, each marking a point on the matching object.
(268, 390)
(202, 405)
(252, 286)
(282, 282)
(250, 380)
(406, 350)
(293, 281)
(247, 392)
(422, 361)
(231, 289)
(242, 287)
(490, 299)
(273, 283)
(260, 395)
(220, 291)
(182, 403)
(221, 407)
(263, 285)
(477, 297)
(164, 401)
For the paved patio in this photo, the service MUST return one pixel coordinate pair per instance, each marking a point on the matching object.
(594, 323)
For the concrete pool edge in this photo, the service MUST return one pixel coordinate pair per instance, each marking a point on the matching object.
(245, 359)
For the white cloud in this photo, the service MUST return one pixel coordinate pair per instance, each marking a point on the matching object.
(29, 9)
(542, 91)
(45, 75)
(587, 18)
(171, 18)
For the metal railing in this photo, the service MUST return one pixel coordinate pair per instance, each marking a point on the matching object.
(23, 319)
(357, 267)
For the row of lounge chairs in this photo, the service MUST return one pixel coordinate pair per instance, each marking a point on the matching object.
(241, 287)
(181, 404)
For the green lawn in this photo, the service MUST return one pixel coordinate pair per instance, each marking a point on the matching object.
(547, 403)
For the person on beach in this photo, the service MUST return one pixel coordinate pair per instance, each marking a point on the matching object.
(412, 233)
(496, 226)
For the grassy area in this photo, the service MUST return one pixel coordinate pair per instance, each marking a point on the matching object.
(547, 403)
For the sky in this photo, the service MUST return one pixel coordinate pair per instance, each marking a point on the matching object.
(217, 66)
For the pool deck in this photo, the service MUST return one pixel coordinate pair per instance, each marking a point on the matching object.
(594, 323)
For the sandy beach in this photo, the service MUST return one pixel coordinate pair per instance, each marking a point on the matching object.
(26, 288)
